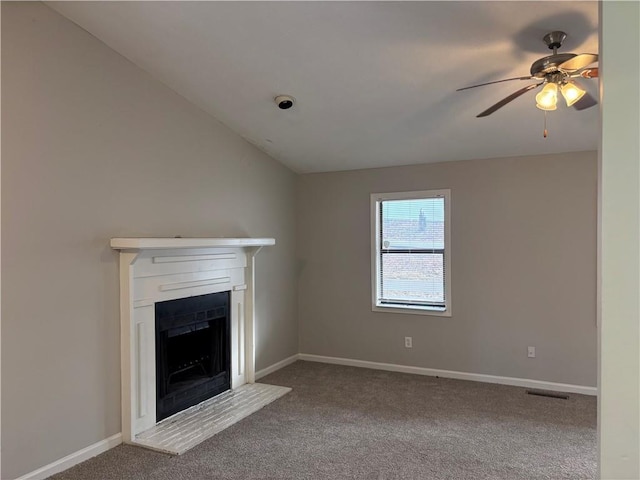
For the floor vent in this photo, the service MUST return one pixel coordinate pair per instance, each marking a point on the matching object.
(545, 393)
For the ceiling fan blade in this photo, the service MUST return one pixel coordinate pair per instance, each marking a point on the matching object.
(587, 101)
(588, 73)
(508, 99)
(579, 61)
(497, 81)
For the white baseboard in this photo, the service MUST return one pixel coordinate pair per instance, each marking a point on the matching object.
(74, 458)
(475, 377)
(277, 366)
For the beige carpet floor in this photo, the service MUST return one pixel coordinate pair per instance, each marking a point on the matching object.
(352, 423)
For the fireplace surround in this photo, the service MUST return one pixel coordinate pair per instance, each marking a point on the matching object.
(154, 271)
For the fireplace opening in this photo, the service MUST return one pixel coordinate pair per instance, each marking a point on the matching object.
(193, 351)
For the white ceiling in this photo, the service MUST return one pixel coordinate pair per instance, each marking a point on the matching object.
(374, 81)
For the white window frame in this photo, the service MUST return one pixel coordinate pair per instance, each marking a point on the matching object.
(376, 198)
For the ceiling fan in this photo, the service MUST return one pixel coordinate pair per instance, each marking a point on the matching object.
(555, 72)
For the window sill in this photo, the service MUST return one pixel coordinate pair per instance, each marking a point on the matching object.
(412, 311)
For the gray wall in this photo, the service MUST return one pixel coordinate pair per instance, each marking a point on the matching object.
(523, 263)
(93, 148)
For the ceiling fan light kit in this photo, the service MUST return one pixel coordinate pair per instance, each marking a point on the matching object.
(555, 72)
(547, 99)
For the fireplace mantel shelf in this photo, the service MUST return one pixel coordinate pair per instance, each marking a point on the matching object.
(166, 243)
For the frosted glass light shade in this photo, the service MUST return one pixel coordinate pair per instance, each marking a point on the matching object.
(571, 93)
(548, 97)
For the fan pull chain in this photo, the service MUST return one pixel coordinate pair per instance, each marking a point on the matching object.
(544, 133)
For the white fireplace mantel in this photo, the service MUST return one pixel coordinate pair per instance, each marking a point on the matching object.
(158, 269)
(179, 242)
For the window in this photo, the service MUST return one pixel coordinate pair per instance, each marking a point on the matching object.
(410, 248)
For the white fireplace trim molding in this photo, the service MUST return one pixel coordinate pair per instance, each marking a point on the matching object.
(158, 269)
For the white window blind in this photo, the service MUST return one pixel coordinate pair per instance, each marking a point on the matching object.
(411, 251)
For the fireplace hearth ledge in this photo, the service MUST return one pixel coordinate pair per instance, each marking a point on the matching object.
(188, 428)
(158, 269)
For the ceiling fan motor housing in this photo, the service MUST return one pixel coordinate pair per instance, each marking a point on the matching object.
(541, 67)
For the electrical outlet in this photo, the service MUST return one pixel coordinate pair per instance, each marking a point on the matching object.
(531, 352)
(408, 342)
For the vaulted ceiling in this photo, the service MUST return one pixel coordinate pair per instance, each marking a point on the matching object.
(374, 82)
